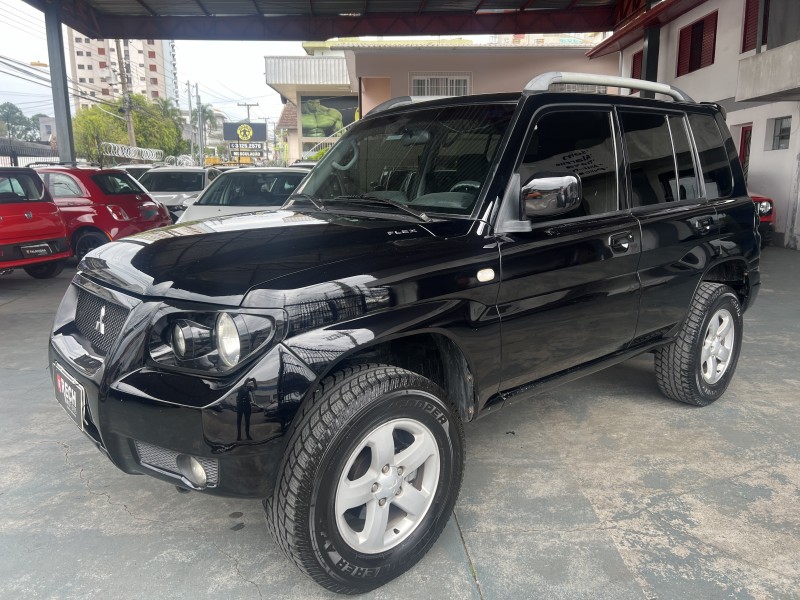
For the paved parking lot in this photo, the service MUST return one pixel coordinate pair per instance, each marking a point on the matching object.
(599, 489)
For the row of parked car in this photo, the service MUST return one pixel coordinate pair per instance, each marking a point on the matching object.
(48, 213)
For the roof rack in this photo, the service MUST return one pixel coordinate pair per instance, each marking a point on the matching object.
(402, 101)
(542, 83)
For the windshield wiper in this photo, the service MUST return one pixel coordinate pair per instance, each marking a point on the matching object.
(399, 205)
(317, 202)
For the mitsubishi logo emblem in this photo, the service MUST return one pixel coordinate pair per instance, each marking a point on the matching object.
(99, 326)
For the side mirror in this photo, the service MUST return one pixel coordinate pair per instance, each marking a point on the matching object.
(550, 194)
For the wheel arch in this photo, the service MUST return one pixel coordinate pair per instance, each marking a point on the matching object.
(87, 228)
(431, 353)
(734, 273)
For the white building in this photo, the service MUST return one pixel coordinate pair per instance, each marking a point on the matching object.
(710, 53)
(95, 69)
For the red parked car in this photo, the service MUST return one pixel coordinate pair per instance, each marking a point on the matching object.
(766, 216)
(100, 205)
(32, 232)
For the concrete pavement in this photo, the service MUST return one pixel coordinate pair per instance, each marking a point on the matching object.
(601, 488)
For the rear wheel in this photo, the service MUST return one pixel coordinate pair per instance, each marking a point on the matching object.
(698, 365)
(46, 270)
(88, 241)
(369, 478)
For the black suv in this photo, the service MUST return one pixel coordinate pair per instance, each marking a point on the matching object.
(442, 259)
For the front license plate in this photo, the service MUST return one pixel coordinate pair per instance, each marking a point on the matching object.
(34, 250)
(69, 393)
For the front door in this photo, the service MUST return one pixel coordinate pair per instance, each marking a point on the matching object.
(570, 291)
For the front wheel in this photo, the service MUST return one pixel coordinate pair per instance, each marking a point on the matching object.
(369, 478)
(698, 365)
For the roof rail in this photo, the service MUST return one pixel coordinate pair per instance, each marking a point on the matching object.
(402, 101)
(542, 83)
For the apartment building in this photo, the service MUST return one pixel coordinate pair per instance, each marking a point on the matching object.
(96, 69)
(711, 52)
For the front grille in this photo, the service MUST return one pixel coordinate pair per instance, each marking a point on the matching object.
(167, 460)
(99, 320)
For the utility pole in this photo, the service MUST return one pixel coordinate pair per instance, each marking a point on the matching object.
(191, 125)
(247, 105)
(127, 105)
(201, 132)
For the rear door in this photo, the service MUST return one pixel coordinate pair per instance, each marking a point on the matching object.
(570, 292)
(678, 224)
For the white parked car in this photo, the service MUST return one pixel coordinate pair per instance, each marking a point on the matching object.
(245, 190)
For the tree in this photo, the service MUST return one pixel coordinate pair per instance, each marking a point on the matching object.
(16, 125)
(208, 117)
(93, 126)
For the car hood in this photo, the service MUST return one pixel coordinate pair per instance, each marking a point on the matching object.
(221, 260)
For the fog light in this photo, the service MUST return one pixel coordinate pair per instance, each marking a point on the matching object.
(192, 470)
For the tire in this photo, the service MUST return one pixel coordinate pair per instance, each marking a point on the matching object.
(45, 270)
(88, 241)
(698, 365)
(330, 445)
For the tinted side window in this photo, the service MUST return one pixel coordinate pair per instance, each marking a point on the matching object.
(713, 158)
(580, 142)
(650, 158)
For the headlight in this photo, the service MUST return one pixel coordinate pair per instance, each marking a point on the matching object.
(228, 344)
(764, 207)
(213, 342)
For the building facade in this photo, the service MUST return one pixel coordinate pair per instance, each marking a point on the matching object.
(96, 70)
(711, 53)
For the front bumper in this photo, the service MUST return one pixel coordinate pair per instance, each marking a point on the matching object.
(144, 420)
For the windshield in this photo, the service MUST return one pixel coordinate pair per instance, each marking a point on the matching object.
(434, 159)
(115, 184)
(244, 188)
(172, 181)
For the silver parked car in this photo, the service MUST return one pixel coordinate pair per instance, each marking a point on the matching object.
(245, 190)
(177, 186)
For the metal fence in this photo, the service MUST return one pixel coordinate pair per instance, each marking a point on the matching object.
(17, 153)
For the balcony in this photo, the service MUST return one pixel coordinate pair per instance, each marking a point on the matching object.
(770, 76)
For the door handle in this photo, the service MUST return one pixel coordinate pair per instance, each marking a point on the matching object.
(620, 242)
(703, 224)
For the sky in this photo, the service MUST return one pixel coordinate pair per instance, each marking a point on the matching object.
(227, 72)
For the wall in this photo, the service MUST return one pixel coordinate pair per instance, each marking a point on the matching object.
(374, 90)
(493, 69)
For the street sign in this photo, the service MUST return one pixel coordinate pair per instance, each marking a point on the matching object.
(254, 153)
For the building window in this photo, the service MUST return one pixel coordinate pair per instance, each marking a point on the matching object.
(81, 80)
(88, 53)
(154, 94)
(141, 78)
(750, 27)
(77, 40)
(151, 42)
(696, 44)
(101, 51)
(103, 64)
(91, 80)
(79, 52)
(440, 84)
(153, 67)
(81, 67)
(141, 65)
(782, 128)
(104, 91)
(154, 80)
(151, 54)
(636, 67)
(88, 67)
(103, 79)
(92, 94)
